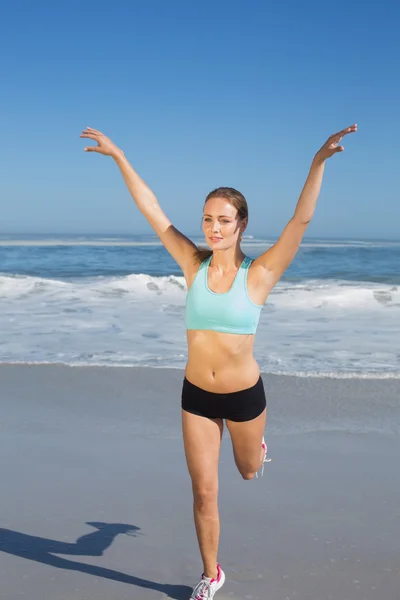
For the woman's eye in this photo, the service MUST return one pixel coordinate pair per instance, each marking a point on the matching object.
(223, 221)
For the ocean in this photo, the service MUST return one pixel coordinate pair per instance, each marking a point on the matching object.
(120, 300)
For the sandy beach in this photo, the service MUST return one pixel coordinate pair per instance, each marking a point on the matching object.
(96, 499)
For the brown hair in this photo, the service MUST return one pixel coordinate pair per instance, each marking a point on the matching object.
(237, 200)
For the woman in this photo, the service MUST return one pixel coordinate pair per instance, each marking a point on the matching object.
(226, 291)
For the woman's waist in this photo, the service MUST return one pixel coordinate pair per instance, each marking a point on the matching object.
(223, 376)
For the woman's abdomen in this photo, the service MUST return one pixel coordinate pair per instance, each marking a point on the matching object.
(221, 362)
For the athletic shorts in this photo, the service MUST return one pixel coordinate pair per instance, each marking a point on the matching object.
(243, 405)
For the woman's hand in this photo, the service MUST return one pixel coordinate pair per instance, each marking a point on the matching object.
(331, 146)
(105, 145)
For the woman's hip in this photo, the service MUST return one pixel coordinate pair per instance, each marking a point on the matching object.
(240, 405)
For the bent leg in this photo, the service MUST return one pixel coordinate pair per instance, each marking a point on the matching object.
(246, 439)
(202, 441)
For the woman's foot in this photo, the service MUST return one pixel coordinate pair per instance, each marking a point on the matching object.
(207, 586)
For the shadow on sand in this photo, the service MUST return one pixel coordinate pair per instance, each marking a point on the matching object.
(93, 544)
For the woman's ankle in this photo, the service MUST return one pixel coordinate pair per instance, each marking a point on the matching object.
(211, 572)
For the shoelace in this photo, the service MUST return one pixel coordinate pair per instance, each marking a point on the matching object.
(202, 591)
(266, 460)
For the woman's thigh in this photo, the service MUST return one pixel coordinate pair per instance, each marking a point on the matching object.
(246, 439)
(202, 442)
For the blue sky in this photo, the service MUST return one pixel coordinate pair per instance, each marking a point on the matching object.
(199, 95)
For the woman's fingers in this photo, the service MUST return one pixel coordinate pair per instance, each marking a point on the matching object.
(94, 130)
(92, 136)
(338, 136)
(350, 129)
(93, 133)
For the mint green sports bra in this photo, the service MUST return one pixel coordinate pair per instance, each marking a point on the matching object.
(230, 312)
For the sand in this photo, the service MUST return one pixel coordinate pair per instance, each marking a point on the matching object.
(96, 499)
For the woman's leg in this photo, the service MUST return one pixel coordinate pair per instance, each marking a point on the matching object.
(202, 441)
(246, 439)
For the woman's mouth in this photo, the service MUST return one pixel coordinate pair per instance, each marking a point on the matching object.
(215, 239)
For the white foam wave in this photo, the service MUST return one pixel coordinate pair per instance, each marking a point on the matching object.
(316, 327)
(144, 285)
(336, 295)
(307, 295)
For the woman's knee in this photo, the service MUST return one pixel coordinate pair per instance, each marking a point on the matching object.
(205, 494)
(247, 468)
(248, 474)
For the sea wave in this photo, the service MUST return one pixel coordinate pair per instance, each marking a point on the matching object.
(306, 295)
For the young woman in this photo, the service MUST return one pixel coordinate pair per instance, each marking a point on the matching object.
(226, 292)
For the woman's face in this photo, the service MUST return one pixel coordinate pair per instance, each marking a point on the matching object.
(221, 226)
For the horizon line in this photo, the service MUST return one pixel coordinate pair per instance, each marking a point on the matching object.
(154, 235)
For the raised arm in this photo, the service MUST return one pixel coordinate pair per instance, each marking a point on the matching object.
(178, 245)
(276, 259)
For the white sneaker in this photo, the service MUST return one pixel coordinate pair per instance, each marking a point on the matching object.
(206, 588)
(266, 458)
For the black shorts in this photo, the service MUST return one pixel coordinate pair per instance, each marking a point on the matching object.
(243, 405)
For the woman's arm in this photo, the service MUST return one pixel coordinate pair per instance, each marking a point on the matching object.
(277, 258)
(178, 245)
(140, 192)
(309, 195)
